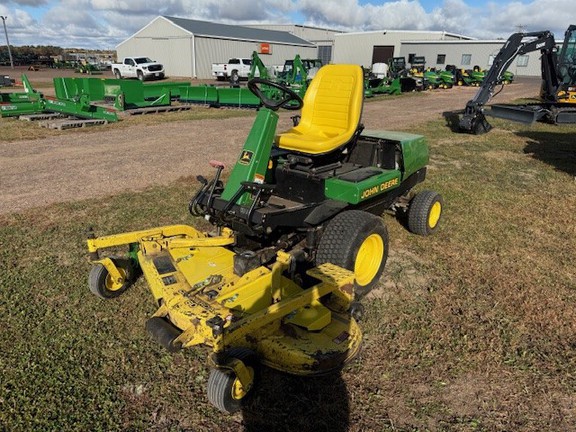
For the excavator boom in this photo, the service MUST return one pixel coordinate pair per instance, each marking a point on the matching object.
(558, 82)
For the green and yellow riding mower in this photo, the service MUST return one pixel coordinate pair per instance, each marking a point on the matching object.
(297, 240)
(470, 77)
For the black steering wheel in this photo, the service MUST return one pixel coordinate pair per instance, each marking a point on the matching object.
(289, 95)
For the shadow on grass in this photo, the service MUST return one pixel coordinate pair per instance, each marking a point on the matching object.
(557, 149)
(453, 120)
(284, 402)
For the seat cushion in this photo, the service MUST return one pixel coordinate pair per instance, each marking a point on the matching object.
(331, 112)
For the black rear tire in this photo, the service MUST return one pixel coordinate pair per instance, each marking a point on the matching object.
(234, 79)
(342, 240)
(117, 74)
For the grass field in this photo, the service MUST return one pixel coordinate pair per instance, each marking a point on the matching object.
(473, 329)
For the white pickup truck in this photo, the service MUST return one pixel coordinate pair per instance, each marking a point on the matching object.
(138, 67)
(235, 68)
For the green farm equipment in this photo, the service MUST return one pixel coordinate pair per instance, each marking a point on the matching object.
(380, 86)
(397, 68)
(506, 78)
(122, 94)
(377, 81)
(21, 103)
(429, 77)
(447, 79)
(298, 73)
(297, 240)
(32, 102)
(201, 95)
(89, 69)
(257, 68)
(467, 77)
(81, 108)
(234, 96)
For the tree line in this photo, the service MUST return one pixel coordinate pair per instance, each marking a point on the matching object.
(36, 54)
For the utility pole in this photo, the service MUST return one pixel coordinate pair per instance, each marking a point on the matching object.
(7, 41)
(520, 28)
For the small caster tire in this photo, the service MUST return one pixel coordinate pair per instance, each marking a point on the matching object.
(357, 310)
(101, 283)
(224, 389)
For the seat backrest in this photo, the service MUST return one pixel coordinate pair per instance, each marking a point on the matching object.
(331, 112)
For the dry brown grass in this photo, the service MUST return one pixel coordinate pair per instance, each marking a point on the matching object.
(13, 129)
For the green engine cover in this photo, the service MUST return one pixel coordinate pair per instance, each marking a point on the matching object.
(370, 181)
(415, 154)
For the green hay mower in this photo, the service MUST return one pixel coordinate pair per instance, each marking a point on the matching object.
(297, 240)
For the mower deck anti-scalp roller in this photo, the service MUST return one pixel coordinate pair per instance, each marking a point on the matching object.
(298, 240)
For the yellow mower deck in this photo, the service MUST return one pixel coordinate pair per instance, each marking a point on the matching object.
(191, 275)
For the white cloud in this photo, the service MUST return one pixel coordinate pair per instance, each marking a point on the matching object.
(105, 23)
(348, 14)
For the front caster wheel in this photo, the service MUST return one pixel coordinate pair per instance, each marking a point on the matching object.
(104, 286)
(225, 391)
(357, 310)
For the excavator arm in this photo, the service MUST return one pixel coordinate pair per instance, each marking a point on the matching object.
(473, 121)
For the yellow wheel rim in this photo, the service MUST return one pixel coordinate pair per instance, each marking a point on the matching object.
(111, 284)
(368, 260)
(239, 391)
(434, 215)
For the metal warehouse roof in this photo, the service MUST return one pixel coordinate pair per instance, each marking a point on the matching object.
(384, 31)
(205, 28)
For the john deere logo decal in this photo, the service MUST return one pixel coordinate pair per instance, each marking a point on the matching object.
(246, 157)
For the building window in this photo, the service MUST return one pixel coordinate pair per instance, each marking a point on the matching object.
(441, 59)
(522, 61)
(325, 53)
(466, 59)
(411, 58)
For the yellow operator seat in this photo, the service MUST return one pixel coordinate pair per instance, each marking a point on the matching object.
(331, 112)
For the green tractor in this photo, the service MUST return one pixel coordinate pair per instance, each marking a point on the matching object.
(297, 241)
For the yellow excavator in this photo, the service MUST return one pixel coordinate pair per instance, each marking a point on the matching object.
(558, 92)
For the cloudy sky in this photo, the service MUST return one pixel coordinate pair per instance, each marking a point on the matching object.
(102, 24)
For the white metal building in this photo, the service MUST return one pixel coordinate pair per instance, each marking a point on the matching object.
(467, 54)
(187, 48)
(321, 37)
(367, 48)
